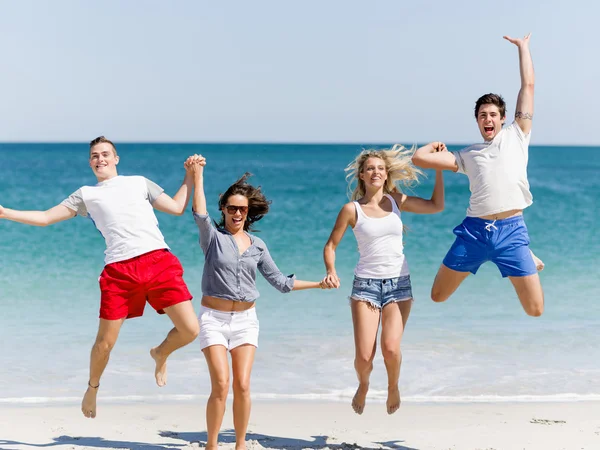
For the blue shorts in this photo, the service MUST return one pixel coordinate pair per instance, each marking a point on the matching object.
(379, 292)
(504, 242)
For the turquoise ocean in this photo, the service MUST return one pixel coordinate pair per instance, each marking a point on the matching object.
(479, 345)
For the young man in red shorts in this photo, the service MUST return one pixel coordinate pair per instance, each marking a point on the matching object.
(138, 264)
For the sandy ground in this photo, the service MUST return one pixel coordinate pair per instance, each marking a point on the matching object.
(309, 425)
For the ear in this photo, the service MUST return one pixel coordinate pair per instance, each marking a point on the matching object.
(116, 160)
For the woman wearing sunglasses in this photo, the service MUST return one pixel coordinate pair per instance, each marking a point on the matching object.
(227, 316)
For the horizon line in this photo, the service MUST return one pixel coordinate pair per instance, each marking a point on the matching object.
(235, 142)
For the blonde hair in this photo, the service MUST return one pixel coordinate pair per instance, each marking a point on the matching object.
(398, 165)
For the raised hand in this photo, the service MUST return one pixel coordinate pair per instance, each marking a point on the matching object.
(195, 164)
(518, 41)
(439, 147)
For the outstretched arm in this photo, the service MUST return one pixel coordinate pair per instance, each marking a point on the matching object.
(420, 205)
(179, 202)
(38, 218)
(345, 218)
(435, 156)
(524, 111)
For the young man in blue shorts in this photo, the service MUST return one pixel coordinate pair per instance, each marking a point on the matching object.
(494, 229)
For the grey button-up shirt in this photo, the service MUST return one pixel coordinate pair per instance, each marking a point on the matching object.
(231, 275)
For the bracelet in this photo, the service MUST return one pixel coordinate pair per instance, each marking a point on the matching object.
(93, 387)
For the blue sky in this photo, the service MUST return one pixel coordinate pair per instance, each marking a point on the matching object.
(284, 71)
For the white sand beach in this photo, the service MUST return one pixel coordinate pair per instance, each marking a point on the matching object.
(310, 425)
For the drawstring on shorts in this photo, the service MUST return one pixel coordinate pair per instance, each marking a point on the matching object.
(490, 225)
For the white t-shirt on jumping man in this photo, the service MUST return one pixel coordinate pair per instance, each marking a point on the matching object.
(121, 209)
(497, 172)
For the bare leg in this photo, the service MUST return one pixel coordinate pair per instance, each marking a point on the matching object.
(365, 319)
(242, 358)
(539, 264)
(185, 331)
(446, 282)
(393, 321)
(218, 367)
(531, 295)
(108, 332)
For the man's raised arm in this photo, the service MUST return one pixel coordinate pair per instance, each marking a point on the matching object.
(38, 218)
(524, 111)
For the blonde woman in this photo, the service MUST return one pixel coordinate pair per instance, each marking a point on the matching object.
(381, 290)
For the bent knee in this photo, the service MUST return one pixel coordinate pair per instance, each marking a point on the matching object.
(535, 310)
(438, 296)
(190, 331)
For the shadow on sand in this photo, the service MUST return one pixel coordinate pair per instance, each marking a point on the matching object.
(279, 442)
(199, 439)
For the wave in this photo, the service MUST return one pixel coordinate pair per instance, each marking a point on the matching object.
(339, 396)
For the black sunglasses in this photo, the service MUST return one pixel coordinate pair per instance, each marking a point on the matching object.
(232, 209)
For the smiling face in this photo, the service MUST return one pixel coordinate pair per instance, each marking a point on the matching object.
(235, 213)
(489, 121)
(103, 161)
(374, 173)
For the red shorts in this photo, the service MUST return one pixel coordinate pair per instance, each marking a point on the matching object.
(155, 277)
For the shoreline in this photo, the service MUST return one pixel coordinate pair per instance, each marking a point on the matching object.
(309, 425)
(176, 399)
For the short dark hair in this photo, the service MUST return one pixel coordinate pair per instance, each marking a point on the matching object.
(258, 205)
(102, 140)
(491, 99)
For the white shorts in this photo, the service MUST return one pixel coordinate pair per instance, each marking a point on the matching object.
(229, 329)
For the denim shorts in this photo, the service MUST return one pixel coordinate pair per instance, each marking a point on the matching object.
(379, 292)
(504, 242)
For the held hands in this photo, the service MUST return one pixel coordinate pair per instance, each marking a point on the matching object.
(194, 165)
(518, 42)
(331, 281)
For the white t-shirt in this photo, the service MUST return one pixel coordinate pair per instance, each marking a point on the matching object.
(497, 172)
(121, 209)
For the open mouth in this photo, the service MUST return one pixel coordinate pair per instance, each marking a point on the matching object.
(488, 130)
(236, 221)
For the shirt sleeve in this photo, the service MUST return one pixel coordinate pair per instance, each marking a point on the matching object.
(459, 162)
(207, 230)
(516, 129)
(272, 274)
(154, 190)
(75, 202)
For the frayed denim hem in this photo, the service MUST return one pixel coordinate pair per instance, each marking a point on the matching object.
(377, 305)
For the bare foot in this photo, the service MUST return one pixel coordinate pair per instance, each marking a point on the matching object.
(358, 402)
(539, 264)
(88, 404)
(393, 400)
(161, 367)
(241, 446)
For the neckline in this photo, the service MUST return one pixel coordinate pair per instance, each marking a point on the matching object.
(394, 207)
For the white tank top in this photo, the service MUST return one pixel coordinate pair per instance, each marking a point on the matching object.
(380, 244)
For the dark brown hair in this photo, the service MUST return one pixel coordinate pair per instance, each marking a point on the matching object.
(491, 99)
(102, 140)
(258, 205)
